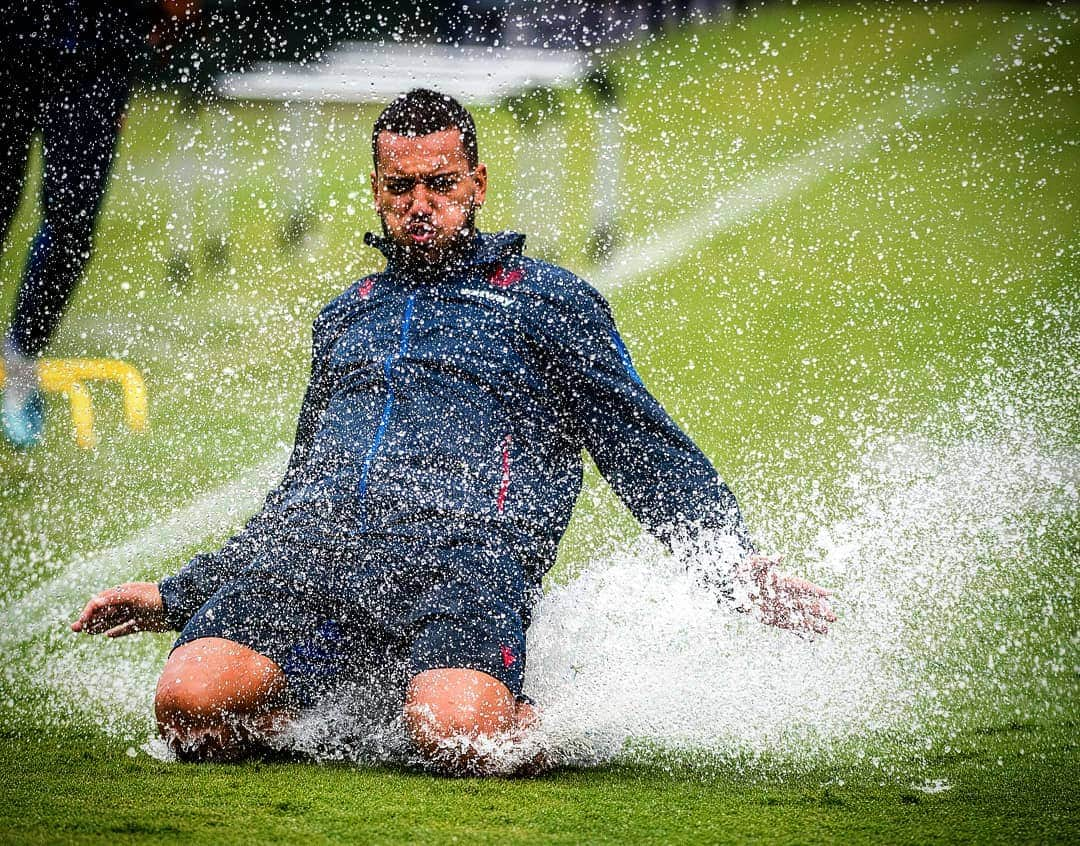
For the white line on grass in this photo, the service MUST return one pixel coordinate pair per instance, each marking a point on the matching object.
(668, 244)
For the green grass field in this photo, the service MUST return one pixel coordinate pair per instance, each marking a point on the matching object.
(875, 215)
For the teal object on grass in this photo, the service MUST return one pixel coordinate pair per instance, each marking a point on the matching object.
(24, 425)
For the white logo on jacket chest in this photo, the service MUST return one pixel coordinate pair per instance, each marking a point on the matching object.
(488, 295)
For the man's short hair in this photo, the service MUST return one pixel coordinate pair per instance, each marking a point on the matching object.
(422, 112)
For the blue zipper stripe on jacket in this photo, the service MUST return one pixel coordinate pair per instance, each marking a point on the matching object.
(388, 406)
(624, 357)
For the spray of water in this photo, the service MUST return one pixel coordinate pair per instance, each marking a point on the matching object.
(952, 550)
(632, 655)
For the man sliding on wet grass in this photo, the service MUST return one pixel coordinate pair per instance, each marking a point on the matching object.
(437, 461)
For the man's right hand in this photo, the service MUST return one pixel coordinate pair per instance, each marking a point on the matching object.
(129, 608)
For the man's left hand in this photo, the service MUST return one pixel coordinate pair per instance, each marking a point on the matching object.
(782, 600)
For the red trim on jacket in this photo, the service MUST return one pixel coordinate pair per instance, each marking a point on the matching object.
(504, 485)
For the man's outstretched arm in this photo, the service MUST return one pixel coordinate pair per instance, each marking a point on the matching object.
(661, 475)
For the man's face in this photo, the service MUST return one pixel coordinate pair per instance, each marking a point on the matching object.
(425, 192)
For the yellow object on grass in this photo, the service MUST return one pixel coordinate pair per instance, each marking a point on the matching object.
(68, 376)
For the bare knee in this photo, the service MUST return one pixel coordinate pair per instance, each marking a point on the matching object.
(209, 677)
(455, 716)
(214, 695)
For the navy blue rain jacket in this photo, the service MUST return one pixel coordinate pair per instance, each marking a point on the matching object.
(457, 404)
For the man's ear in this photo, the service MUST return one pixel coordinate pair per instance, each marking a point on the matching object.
(480, 175)
(375, 189)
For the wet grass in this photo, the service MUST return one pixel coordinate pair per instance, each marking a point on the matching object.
(76, 788)
(870, 299)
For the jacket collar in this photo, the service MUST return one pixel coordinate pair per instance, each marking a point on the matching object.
(485, 248)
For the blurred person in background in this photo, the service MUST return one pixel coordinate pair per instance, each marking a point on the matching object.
(65, 72)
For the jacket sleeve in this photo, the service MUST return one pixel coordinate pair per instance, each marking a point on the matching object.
(658, 472)
(186, 591)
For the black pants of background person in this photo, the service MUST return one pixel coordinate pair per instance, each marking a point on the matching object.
(77, 105)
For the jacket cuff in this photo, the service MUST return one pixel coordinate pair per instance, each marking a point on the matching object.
(177, 610)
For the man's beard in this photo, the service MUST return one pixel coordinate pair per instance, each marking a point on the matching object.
(413, 257)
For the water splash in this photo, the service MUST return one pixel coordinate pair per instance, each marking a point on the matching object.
(952, 550)
(632, 654)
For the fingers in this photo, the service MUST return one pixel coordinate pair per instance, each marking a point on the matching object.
(786, 601)
(799, 613)
(105, 620)
(88, 614)
(126, 628)
(805, 586)
(817, 625)
(817, 617)
(103, 611)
